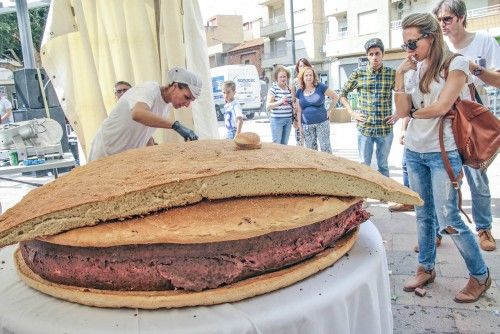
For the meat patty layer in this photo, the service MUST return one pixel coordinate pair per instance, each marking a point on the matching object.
(192, 267)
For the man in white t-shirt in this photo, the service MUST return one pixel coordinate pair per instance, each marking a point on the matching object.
(452, 15)
(5, 110)
(143, 109)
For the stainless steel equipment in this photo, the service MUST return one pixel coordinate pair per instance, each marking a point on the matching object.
(36, 137)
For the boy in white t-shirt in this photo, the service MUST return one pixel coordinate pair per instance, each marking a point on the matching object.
(233, 116)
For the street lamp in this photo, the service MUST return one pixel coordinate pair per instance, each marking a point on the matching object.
(292, 23)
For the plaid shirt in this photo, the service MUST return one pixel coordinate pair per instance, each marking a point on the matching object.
(374, 98)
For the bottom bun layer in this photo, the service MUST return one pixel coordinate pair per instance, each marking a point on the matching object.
(178, 298)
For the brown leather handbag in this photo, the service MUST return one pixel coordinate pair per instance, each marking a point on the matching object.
(477, 133)
(477, 136)
(475, 129)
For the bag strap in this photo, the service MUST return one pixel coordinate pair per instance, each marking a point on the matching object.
(455, 181)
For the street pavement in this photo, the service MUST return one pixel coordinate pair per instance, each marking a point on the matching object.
(436, 312)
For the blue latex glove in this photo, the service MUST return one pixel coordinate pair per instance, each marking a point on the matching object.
(185, 132)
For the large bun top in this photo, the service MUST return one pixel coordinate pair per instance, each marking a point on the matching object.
(140, 181)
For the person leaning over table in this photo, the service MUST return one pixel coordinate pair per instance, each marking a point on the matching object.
(142, 109)
(311, 111)
(121, 87)
(420, 81)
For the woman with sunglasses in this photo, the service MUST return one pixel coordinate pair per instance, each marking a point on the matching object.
(422, 93)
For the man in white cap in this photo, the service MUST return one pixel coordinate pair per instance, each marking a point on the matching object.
(143, 109)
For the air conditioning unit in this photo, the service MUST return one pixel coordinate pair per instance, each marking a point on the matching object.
(403, 5)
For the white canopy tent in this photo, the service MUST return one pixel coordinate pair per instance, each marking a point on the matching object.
(89, 45)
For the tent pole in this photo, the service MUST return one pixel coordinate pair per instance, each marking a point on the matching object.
(23, 22)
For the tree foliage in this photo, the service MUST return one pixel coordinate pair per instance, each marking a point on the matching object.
(10, 42)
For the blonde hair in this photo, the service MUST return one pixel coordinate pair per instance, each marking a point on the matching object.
(428, 25)
(300, 77)
(229, 85)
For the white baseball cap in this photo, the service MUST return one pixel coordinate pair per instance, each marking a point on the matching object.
(181, 75)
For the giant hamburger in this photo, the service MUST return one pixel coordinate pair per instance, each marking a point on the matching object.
(195, 223)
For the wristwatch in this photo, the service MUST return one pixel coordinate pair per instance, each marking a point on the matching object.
(477, 71)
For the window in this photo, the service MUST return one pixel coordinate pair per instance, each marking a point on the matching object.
(247, 61)
(337, 26)
(367, 23)
(342, 23)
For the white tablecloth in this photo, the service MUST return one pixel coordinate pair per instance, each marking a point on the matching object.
(352, 296)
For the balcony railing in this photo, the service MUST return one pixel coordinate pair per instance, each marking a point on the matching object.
(275, 54)
(272, 21)
(338, 35)
(471, 14)
(483, 11)
(273, 27)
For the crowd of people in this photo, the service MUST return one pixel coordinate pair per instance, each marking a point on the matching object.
(422, 96)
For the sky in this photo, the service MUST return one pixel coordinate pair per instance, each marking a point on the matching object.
(247, 8)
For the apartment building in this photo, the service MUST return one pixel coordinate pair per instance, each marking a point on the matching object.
(284, 45)
(331, 33)
(351, 23)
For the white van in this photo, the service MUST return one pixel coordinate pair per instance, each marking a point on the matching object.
(247, 83)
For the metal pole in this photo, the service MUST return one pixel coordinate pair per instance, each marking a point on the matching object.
(293, 33)
(23, 22)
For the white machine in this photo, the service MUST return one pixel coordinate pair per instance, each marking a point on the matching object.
(33, 138)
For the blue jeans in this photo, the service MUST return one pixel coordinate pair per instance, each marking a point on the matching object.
(406, 181)
(230, 133)
(481, 197)
(280, 129)
(365, 148)
(429, 179)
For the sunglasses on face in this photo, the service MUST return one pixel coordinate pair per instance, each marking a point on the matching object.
(121, 91)
(445, 19)
(412, 43)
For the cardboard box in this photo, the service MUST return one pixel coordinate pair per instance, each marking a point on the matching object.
(339, 115)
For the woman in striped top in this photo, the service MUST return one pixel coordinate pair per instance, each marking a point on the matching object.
(279, 102)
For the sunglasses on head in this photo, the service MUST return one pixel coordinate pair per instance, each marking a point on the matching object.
(445, 19)
(412, 43)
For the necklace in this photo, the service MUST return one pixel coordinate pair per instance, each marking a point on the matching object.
(309, 91)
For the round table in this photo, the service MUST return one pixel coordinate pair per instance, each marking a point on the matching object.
(352, 296)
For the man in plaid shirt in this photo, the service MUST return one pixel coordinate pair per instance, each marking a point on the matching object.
(374, 84)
